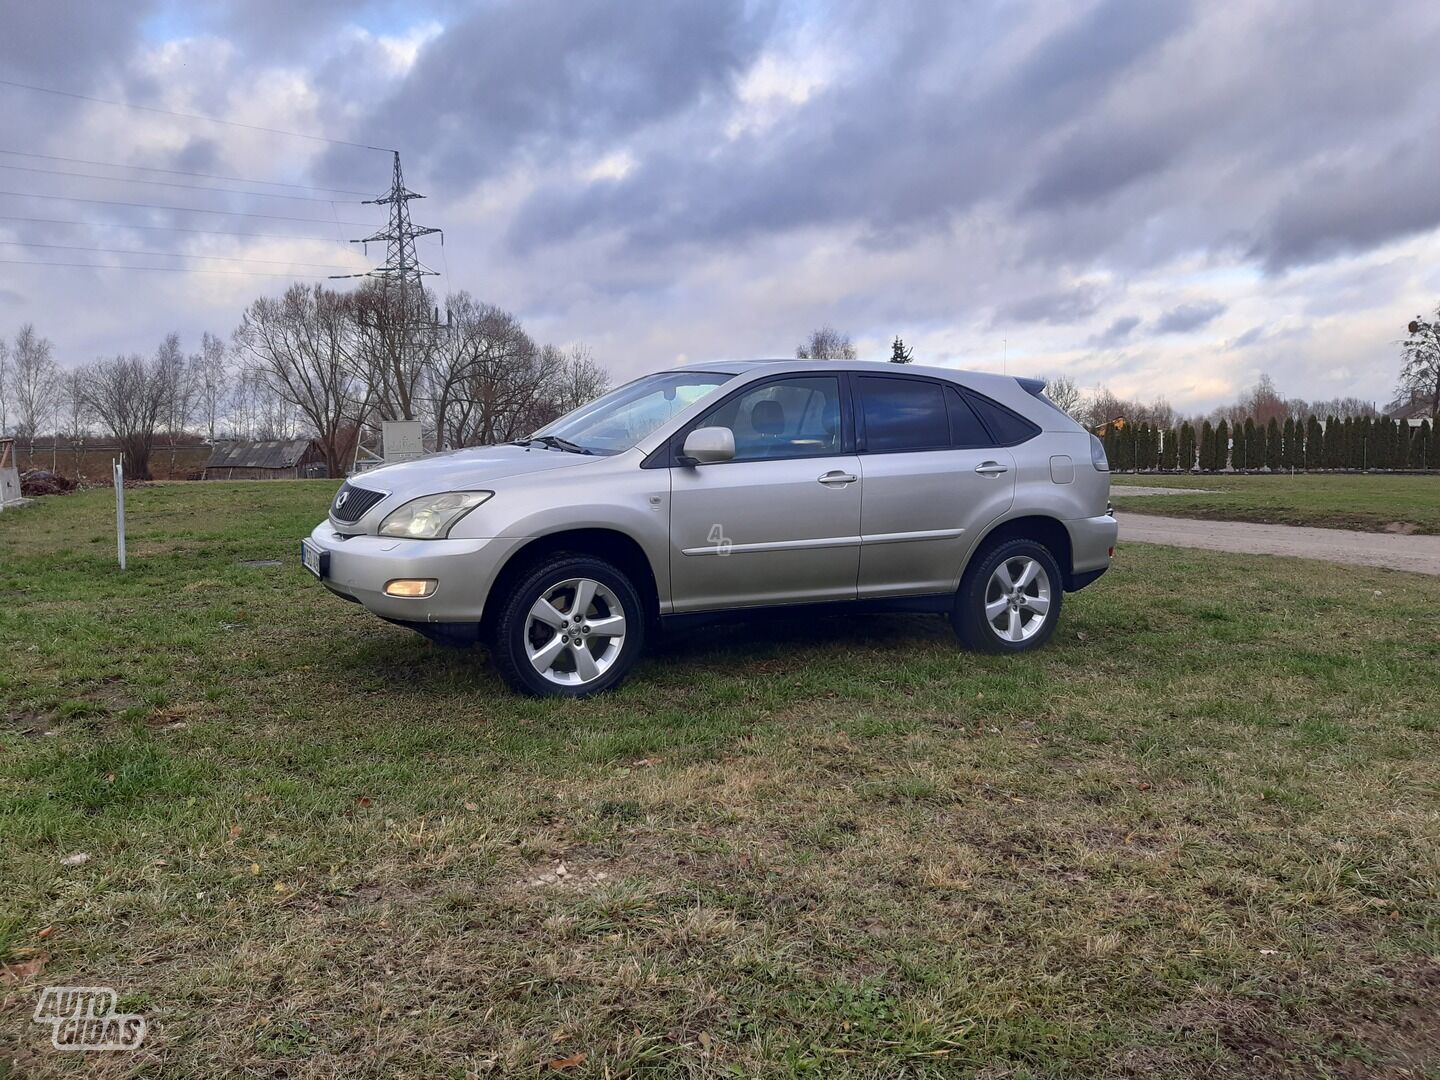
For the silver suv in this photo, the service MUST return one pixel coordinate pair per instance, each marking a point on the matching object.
(726, 486)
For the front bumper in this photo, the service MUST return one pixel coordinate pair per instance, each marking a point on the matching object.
(358, 568)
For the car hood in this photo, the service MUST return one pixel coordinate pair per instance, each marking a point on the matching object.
(467, 470)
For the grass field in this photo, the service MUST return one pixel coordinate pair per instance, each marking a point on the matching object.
(1197, 835)
(1372, 502)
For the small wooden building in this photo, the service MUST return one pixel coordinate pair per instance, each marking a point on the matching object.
(267, 459)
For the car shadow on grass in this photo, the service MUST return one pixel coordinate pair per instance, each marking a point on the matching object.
(740, 644)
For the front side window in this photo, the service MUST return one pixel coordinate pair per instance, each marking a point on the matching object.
(903, 414)
(620, 419)
(786, 418)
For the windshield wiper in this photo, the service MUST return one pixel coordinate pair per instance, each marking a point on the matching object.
(555, 442)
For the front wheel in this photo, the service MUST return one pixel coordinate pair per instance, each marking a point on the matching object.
(571, 627)
(1009, 600)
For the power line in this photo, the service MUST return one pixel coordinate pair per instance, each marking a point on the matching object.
(191, 116)
(182, 209)
(173, 184)
(161, 269)
(169, 254)
(180, 172)
(168, 228)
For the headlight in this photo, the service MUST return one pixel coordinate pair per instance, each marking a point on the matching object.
(430, 517)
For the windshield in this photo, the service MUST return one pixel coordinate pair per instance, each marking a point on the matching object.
(621, 418)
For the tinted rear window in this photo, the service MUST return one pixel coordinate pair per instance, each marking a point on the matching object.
(1007, 427)
(903, 414)
(965, 427)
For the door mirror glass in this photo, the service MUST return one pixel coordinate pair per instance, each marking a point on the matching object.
(709, 444)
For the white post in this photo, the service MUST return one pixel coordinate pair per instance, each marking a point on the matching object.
(117, 469)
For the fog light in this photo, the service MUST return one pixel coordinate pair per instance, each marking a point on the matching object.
(417, 587)
(1112, 555)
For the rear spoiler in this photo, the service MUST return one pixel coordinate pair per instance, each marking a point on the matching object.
(1033, 387)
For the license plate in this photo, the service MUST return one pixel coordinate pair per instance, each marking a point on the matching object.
(313, 559)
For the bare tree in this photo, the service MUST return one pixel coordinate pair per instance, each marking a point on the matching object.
(826, 343)
(212, 380)
(36, 381)
(1344, 407)
(1064, 393)
(397, 344)
(1264, 403)
(1420, 376)
(1103, 406)
(77, 414)
(304, 344)
(580, 380)
(127, 395)
(4, 386)
(487, 377)
(178, 374)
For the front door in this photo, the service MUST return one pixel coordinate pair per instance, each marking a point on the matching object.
(780, 524)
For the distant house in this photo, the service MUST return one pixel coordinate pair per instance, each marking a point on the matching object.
(266, 459)
(1415, 412)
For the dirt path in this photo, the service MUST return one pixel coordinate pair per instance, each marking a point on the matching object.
(1419, 554)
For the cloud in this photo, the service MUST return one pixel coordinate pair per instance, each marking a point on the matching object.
(1117, 333)
(1059, 307)
(1107, 188)
(1188, 317)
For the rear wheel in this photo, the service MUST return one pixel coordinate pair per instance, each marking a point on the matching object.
(1009, 599)
(572, 626)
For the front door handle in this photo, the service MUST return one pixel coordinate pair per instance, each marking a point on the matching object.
(991, 468)
(835, 476)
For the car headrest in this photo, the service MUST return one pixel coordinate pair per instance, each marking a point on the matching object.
(768, 417)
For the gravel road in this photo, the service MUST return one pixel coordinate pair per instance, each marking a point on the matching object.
(1419, 554)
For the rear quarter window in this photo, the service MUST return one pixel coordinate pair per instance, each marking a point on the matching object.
(1006, 427)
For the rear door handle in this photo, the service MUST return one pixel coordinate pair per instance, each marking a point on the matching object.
(990, 468)
(835, 476)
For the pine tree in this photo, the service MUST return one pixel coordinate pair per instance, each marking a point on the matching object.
(1187, 447)
(1274, 447)
(898, 353)
(1334, 444)
(1254, 452)
(1314, 443)
(1169, 449)
(1287, 444)
(1222, 446)
(1400, 458)
(1207, 447)
(1420, 456)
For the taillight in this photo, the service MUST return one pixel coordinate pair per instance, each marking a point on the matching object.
(1097, 455)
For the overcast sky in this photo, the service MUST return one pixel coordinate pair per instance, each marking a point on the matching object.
(1163, 197)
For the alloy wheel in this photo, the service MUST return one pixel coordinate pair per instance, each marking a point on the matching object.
(1017, 599)
(575, 631)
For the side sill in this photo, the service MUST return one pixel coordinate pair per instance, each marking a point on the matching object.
(933, 604)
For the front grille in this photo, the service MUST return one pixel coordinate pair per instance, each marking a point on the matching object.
(351, 503)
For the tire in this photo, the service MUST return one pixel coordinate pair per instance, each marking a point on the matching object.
(532, 644)
(1021, 624)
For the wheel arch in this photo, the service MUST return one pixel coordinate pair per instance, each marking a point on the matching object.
(610, 544)
(1038, 527)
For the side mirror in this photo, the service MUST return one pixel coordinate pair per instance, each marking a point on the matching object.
(708, 444)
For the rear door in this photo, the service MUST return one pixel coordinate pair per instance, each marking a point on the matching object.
(932, 481)
(780, 524)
